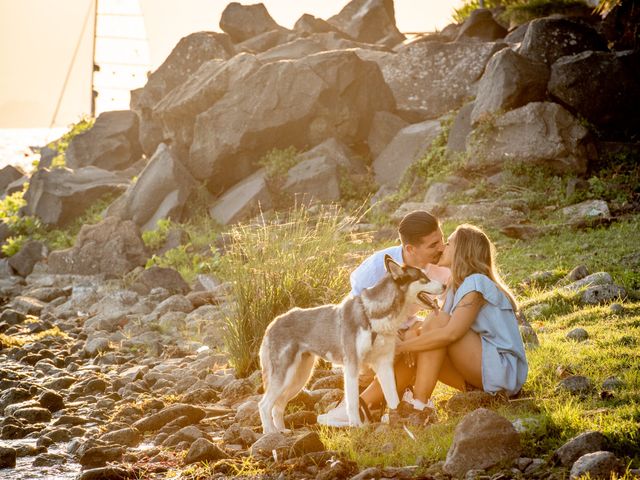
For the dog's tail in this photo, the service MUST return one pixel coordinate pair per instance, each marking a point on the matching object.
(265, 362)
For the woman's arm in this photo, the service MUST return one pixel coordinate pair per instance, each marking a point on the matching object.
(458, 324)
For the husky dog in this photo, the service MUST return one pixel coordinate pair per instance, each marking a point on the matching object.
(359, 331)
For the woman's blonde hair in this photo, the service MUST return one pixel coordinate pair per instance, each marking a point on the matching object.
(474, 253)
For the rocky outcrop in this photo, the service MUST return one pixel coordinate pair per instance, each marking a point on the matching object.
(509, 81)
(30, 254)
(242, 22)
(309, 24)
(540, 133)
(59, 196)
(295, 103)
(369, 21)
(177, 111)
(111, 144)
(548, 39)
(612, 105)
(406, 147)
(111, 247)
(184, 60)
(431, 78)
(161, 191)
(384, 127)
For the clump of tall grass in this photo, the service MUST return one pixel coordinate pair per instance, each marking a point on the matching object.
(296, 259)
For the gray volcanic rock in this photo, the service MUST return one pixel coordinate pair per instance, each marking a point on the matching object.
(7, 457)
(162, 191)
(384, 128)
(242, 22)
(8, 175)
(509, 81)
(59, 196)
(578, 446)
(540, 133)
(315, 178)
(158, 420)
(30, 254)
(481, 25)
(163, 277)
(482, 439)
(265, 41)
(460, 129)
(604, 103)
(184, 60)
(369, 21)
(432, 78)
(177, 111)
(548, 39)
(112, 247)
(406, 147)
(310, 24)
(597, 465)
(111, 144)
(245, 199)
(295, 103)
(202, 450)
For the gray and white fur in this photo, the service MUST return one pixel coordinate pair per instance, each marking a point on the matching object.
(359, 331)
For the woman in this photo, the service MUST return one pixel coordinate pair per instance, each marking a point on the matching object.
(473, 343)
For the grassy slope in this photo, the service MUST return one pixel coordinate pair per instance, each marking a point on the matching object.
(557, 416)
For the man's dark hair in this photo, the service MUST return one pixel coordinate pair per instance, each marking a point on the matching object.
(416, 225)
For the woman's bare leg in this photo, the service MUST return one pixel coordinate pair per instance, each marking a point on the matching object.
(405, 375)
(466, 356)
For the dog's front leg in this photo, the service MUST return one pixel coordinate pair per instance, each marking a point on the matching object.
(352, 393)
(387, 379)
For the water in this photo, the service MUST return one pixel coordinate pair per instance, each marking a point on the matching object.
(26, 471)
(15, 143)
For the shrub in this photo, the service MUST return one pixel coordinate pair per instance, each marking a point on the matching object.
(185, 260)
(277, 163)
(519, 11)
(154, 239)
(294, 260)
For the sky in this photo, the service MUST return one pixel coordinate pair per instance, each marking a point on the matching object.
(46, 47)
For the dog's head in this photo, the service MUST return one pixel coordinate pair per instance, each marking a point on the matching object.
(414, 281)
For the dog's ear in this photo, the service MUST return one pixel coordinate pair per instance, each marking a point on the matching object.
(393, 267)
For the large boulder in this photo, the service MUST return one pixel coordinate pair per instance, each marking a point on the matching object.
(509, 81)
(265, 41)
(481, 25)
(406, 147)
(369, 21)
(384, 127)
(548, 39)
(111, 144)
(295, 103)
(112, 247)
(162, 191)
(177, 111)
(460, 129)
(242, 22)
(540, 133)
(184, 60)
(481, 440)
(30, 254)
(242, 201)
(59, 196)
(587, 442)
(432, 78)
(8, 175)
(605, 103)
(308, 24)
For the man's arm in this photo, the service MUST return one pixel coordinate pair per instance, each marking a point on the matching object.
(456, 326)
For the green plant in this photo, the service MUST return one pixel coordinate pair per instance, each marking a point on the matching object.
(154, 239)
(62, 143)
(519, 11)
(187, 262)
(12, 245)
(295, 260)
(278, 161)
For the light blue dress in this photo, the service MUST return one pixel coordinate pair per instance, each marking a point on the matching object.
(504, 364)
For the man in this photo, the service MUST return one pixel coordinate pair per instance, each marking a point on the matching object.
(421, 245)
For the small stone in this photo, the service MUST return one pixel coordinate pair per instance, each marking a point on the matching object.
(602, 294)
(202, 450)
(576, 384)
(534, 466)
(578, 334)
(612, 383)
(616, 308)
(7, 457)
(578, 446)
(578, 273)
(597, 465)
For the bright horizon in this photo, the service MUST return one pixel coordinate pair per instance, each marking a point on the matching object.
(36, 49)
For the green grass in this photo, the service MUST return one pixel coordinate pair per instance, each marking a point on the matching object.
(297, 259)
